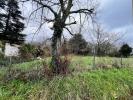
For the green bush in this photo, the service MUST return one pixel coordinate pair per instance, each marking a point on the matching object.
(1, 55)
(27, 51)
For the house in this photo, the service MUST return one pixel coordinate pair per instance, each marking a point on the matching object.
(11, 50)
(0, 47)
(0, 50)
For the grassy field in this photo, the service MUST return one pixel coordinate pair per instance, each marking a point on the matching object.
(103, 84)
(76, 62)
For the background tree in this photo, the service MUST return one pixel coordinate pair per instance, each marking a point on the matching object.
(62, 14)
(103, 41)
(2, 6)
(125, 50)
(11, 20)
(77, 44)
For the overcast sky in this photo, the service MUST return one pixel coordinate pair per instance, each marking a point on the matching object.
(115, 15)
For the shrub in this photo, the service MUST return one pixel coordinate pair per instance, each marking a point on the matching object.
(46, 51)
(125, 50)
(114, 53)
(25, 76)
(27, 51)
(63, 66)
(1, 55)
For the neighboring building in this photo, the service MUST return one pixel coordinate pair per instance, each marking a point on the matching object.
(0, 47)
(0, 50)
(11, 50)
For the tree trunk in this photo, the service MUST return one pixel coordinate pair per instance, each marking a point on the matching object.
(55, 55)
(55, 51)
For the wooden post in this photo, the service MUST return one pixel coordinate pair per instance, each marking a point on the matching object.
(10, 63)
(121, 62)
(94, 57)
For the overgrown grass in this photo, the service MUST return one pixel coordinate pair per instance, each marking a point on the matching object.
(111, 84)
(30, 65)
(95, 85)
(77, 62)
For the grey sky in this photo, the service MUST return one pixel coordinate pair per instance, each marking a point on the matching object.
(116, 15)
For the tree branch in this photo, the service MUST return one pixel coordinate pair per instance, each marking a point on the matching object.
(48, 20)
(68, 24)
(69, 31)
(62, 5)
(86, 11)
(46, 6)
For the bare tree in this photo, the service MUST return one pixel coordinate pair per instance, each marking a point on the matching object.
(103, 40)
(62, 14)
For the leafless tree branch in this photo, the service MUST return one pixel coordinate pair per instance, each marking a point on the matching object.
(69, 31)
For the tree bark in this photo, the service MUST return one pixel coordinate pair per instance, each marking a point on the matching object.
(58, 29)
(55, 55)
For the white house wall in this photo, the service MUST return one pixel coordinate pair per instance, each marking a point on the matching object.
(11, 50)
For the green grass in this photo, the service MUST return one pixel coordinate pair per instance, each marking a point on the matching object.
(95, 85)
(29, 65)
(111, 84)
(77, 62)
